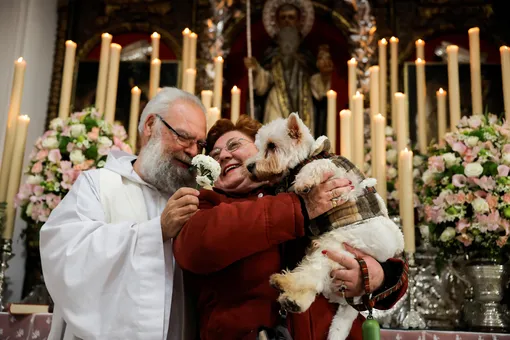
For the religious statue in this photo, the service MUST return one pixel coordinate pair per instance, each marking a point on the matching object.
(286, 75)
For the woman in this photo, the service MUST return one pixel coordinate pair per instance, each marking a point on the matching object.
(243, 233)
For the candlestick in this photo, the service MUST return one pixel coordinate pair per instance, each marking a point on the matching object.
(345, 134)
(406, 188)
(5, 255)
(420, 49)
(190, 75)
(155, 38)
(67, 80)
(113, 82)
(452, 52)
(379, 154)
(475, 68)
(213, 114)
(505, 72)
(441, 115)
(10, 132)
(235, 104)
(403, 121)
(185, 48)
(154, 77)
(359, 132)
(413, 318)
(134, 112)
(393, 77)
(382, 76)
(102, 77)
(331, 119)
(352, 80)
(421, 93)
(218, 82)
(15, 174)
(207, 98)
(192, 50)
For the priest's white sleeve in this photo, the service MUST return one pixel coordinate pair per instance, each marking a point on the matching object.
(107, 279)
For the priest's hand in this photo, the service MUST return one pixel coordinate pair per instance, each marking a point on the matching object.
(251, 62)
(179, 208)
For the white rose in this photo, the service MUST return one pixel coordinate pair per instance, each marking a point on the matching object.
(473, 170)
(448, 234)
(480, 205)
(392, 173)
(506, 158)
(78, 130)
(101, 164)
(394, 195)
(416, 173)
(50, 142)
(472, 141)
(417, 161)
(388, 131)
(450, 159)
(57, 124)
(86, 143)
(77, 157)
(105, 141)
(391, 156)
(427, 177)
(37, 179)
(424, 231)
(29, 209)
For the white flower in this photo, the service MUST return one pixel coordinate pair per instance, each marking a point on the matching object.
(104, 141)
(206, 167)
(473, 170)
(50, 142)
(392, 173)
(427, 177)
(416, 173)
(394, 195)
(203, 181)
(86, 143)
(78, 130)
(77, 157)
(448, 234)
(101, 164)
(36, 180)
(480, 205)
(424, 231)
(506, 158)
(388, 131)
(57, 124)
(417, 161)
(450, 159)
(391, 156)
(472, 141)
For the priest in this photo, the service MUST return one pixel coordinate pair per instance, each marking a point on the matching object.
(106, 250)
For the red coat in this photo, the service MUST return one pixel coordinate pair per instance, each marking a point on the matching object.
(233, 249)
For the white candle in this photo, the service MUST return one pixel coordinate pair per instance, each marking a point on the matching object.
(505, 72)
(15, 174)
(421, 94)
(10, 132)
(420, 49)
(154, 77)
(155, 39)
(379, 154)
(133, 116)
(383, 76)
(102, 77)
(452, 52)
(192, 50)
(185, 48)
(352, 80)
(374, 90)
(331, 119)
(113, 81)
(190, 75)
(393, 77)
(475, 68)
(213, 114)
(218, 82)
(403, 121)
(345, 134)
(441, 114)
(67, 80)
(206, 98)
(235, 104)
(405, 174)
(358, 131)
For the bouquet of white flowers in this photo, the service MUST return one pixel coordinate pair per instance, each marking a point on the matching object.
(207, 168)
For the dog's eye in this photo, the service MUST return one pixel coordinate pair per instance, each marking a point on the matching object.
(271, 146)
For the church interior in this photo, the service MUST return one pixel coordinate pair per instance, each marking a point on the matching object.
(416, 93)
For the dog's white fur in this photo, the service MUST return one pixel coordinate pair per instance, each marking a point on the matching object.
(378, 237)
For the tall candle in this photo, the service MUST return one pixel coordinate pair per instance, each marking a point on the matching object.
(155, 39)
(185, 48)
(113, 82)
(505, 72)
(235, 104)
(102, 77)
(379, 154)
(374, 90)
(331, 119)
(441, 114)
(420, 49)
(345, 134)
(475, 68)
(352, 80)
(421, 94)
(67, 80)
(154, 77)
(218, 82)
(206, 98)
(358, 131)
(405, 174)
(452, 52)
(393, 77)
(190, 75)
(213, 114)
(403, 121)
(383, 76)
(134, 113)
(192, 50)
(10, 132)
(15, 173)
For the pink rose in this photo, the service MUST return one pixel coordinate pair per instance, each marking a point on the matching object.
(481, 194)
(42, 154)
(459, 181)
(503, 170)
(94, 134)
(44, 214)
(54, 156)
(38, 190)
(502, 241)
(492, 201)
(506, 198)
(486, 183)
(465, 239)
(459, 147)
(37, 168)
(475, 121)
(461, 225)
(66, 132)
(436, 163)
(103, 151)
(461, 198)
(70, 147)
(52, 201)
(85, 165)
(506, 148)
(65, 165)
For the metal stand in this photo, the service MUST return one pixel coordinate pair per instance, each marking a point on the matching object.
(5, 256)
(413, 318)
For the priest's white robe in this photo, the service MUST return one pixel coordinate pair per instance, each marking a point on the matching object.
(112, 280)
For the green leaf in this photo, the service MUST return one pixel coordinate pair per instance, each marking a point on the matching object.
(457, 169)
(90, 123)
(91, 153)
(490, 169)
(63, 144)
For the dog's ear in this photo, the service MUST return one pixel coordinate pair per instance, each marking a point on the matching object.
(293, 127)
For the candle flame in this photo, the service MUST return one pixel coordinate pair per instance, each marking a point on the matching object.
(357, 93)
(70, 43)
(441, 90)
(405, 150)
(20, 60)
(503, 48)
(191, 71)
(106, 35)
(473, 30)
(116, 46)
(155, 35)
(384, 41)
(393, 39)
(219, 58)
(193, 35)
(135, 89)
(156, 61)
(345, 113)
(419, 42)
(24, 117)
(331, 92)
(452, 48)
(186, 31)
(399, 94)
(420, 61)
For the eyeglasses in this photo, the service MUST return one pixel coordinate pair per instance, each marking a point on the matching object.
(183, 140)
(231, 146)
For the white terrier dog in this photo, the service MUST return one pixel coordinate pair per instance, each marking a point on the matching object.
(289, 155)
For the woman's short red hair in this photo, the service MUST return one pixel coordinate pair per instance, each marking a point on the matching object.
(244, 124)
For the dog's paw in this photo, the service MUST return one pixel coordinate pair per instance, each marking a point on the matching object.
(276, 281)
(303, 186)
(297, 302)
(289, 304)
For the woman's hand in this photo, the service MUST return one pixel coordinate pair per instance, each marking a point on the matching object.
(350, 277)
(324, 197)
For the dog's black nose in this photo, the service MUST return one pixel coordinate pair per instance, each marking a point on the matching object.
(250, 167)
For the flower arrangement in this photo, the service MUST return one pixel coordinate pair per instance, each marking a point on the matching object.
(69, 147)
(466, 191)
(207, 168)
